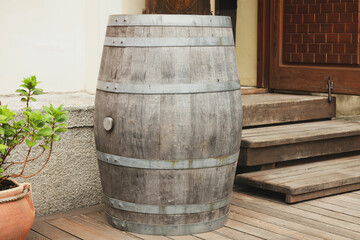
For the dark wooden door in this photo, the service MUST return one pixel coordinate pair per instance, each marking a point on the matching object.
(312, 41)
(199, 7)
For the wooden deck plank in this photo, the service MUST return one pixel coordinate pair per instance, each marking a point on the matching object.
(51, 232)
(341, 203)
(100, 217)
(253, 216)
(326, 212)
(261, 109)
(258, 232)
(101, 227)
(78, 230)
(188, 237)
(308, 181)
(296, 133)
(65, 214)
(346, 199)
(238, 216)
(291, 225)
(236, 234)
(321, 193)
(287, 152)
(352, 195)
(85, 231)
(35, 236)
(335, 208)
(296, 170)
(287, 212)
(320, 171)
(149, 237)
(212, 236)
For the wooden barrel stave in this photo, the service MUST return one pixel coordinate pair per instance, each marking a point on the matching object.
(168, 127)
(167, 187)
(168, 65)
(162, 219)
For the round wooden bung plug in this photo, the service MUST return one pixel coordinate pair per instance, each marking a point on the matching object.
(108, 123)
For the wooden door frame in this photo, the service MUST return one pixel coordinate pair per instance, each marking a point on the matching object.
(263, 43)
(270, 46)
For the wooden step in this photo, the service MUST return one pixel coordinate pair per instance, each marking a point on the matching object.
(273, 108)
(280, 143)
(308, 181)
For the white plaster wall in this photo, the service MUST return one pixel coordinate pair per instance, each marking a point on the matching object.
(246, 41)
(58, 41)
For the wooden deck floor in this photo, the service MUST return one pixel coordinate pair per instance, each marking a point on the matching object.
(255, 214)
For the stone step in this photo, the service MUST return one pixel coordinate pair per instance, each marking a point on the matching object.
(272, 144)
(308, 181)
(273, 108)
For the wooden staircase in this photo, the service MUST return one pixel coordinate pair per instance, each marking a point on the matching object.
(284, 130)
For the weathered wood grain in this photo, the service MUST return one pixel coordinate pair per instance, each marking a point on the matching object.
(253, 230)
(327, 218)
(235, 234)
(273, 144)
(296, 133)
(51, 232)
(321, 193)
(271, 227)
(211, 236)
(336, 231)
(168, 126)
(307, 232)
(35, 236)
(308, 181)
(253, 90)
(271, 108)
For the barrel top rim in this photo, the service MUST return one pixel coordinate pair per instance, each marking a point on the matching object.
(178, 20)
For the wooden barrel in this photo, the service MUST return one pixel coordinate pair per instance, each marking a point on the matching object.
(168, 122)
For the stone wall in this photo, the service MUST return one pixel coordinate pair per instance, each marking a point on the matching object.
(71, 178)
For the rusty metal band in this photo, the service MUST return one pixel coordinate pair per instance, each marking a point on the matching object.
(168, 41)
(181, 88)
(167, 164)
(166, 230)
(169, 20)
(166, 209)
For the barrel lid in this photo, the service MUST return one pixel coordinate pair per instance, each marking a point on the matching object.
(170, 20)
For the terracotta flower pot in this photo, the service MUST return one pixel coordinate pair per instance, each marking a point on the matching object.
(17, 212)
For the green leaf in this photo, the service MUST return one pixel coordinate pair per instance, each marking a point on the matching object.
(62, 118)
(59, 130)
(3, 147)
(38, 91)
(38, 138)
(32, 99)
(30, 143)
(2, 131)
(56, 138)
(47, 110)
(22, 92)
(46, 147)
(40, 124)
(3, 118)
(45, 132)
(23, 99)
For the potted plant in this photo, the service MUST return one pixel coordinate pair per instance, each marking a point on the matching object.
(37, 130)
